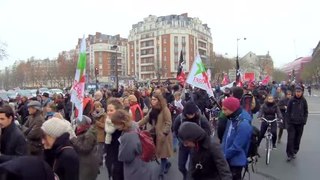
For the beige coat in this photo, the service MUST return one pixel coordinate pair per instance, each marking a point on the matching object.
(164, 147)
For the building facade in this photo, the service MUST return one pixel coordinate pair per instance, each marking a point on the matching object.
(260, 65)
(295, 68)
(103, 52)
(154, 45)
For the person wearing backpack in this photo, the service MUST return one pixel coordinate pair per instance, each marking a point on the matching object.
(191, 113)
(160, 119)
(206, 161)
(237, 136)
(248, 101)
(130, 149)
(59, 153)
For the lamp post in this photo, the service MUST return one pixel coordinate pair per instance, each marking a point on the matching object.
(115, 47)
(237, 61)
(238, 39)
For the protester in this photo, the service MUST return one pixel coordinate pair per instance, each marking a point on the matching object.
(269, 110)
(160, 119)
(136, 110)
(297, 112)
(236, 139)
(114, 166)
(12, 140)
(191, 113)
(207, 160)
(25, 168)
(99, 117)
(23, 110)
(130, 148)
(59, 153)
(283, 104)
(32, 128)
(85, 145)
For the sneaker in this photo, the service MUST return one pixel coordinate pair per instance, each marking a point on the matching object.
(274, 147)
(294, 156)
(289, 159)
(167, 168)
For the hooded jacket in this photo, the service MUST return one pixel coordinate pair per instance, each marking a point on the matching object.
(297, 110)
(236, 138)
(25, 168)
(207, 160)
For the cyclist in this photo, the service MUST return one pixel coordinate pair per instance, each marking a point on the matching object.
(269, 110)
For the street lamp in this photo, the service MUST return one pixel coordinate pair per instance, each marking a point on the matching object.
(238, 39)
(237, 63)
(115, 47)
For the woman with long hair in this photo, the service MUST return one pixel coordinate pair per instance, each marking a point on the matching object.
(160, 119)
(114, 166)
(130, 148)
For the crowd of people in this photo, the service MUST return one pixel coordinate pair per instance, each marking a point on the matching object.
(43, 138)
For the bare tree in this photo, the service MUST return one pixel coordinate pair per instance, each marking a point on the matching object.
(3, 50)
(279, 75)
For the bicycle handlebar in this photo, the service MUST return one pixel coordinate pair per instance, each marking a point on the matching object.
(268, 121)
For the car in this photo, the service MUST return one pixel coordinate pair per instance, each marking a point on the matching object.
(4, 96)
(34, 92)
(26, 93)
(56, 91)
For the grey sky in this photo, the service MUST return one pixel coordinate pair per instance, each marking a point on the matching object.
(42, 28)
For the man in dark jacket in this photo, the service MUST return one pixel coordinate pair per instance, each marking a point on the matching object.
(23, 109)
(32, 127)
(207, 160)
(12, 140)
(191, 113)
(297, 112)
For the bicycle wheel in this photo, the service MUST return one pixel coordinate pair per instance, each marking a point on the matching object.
(268, 146)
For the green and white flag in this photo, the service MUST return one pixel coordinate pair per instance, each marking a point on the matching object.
(198, 76)
(77, 91)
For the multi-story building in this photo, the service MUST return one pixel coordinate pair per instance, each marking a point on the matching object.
(103, 52)
(260, 65)
(154, 45)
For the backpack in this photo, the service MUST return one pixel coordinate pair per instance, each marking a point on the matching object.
(148, 146)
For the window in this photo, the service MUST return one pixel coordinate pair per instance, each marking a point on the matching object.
(183, 40)
(176, 40)
(164, 49)
(100, 57)
(165, 40)
(165, 58)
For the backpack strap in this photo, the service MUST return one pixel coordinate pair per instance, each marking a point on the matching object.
(63, 148)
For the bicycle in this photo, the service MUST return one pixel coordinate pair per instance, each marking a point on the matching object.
(268, 137)
(213, 118)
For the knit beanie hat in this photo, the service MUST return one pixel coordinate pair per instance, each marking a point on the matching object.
(231, 103)
(190, 108)
(54, 127)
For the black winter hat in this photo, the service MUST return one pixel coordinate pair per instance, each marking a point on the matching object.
(298, 88)
(190, 108)
(191, 131)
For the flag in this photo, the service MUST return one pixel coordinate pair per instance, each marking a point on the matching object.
(238, 73)
(225, 80)
(77, 90)
(266, 80)
(230, 85)
(198, 76)
(181, 77)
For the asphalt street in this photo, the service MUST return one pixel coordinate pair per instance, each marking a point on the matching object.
(304, 167)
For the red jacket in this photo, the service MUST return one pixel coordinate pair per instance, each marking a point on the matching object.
(134, 109)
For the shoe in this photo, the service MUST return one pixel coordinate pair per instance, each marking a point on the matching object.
(274, 147)
(289, 159)
(294, 156)
(167, 168)
(161, 176)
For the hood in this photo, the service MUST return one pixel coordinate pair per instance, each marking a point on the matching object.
(191, 131)
(25, 168)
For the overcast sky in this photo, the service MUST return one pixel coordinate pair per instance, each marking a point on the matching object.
(43, 28)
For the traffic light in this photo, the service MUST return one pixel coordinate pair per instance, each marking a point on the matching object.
(96, 71)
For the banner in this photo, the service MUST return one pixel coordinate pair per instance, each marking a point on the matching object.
(77, 90)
